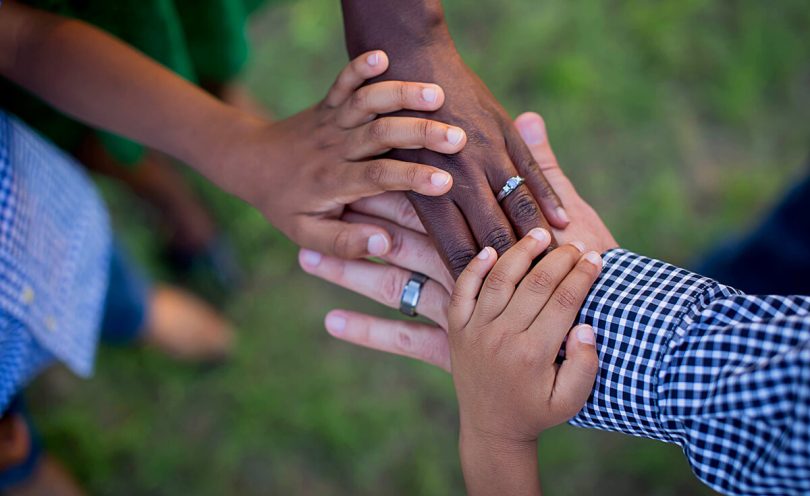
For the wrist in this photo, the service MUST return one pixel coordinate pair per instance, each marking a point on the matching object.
(498, 465)
(399, 27)
(224, 151)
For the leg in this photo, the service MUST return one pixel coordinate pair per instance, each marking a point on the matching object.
(167, 318)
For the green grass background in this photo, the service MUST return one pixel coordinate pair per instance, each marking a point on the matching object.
(680, 120)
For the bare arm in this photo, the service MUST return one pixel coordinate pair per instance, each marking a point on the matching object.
(105, 83)
(299, 172)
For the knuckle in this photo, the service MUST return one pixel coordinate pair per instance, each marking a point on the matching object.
(374, 172)
(523, 208)
(459, 258)
(401, 94)
(529, 357)
(391, 287)
(405, 213)
(497, 280)
(539, 281)
(359, 99)
(566, 299)
(411, 173)
(398, 244)
(379, 130)
(500, 238)
(341, 243)
(424, 129)
(404, 342)
(587, 268)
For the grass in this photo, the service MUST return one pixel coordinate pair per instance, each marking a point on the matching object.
(680, 120)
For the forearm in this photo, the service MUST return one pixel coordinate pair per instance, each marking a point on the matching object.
(498, 467)
(106, 84)
(397, 26)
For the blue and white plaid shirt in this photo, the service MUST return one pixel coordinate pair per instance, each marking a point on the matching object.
(686, 360)
(54, 258)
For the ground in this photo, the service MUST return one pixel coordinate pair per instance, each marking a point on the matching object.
(679, 120)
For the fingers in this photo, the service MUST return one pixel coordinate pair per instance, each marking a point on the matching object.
(563, 306)
(577, 373)
(539, 284)
(363, 179)
(388, 96)
(393, 206)
(507, 274)
(520, 206)
(550, 204)
(366, 66)
(409, 250)
(407, 133)
(532, 129)
(468, 285)
(448, 229)
(487, 220)
(380, 282)
(411, 339)
(344, 240)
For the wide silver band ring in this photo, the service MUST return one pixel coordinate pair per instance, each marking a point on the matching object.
(411, 293)
(511, 185)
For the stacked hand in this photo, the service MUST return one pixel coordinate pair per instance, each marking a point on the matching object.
(302, 171)
(413, 251)
(507, 322)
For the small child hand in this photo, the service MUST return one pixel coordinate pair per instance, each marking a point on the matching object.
(301, 172)
(507, 323)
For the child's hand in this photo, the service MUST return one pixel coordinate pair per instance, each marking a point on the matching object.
(507, 323)
(302, 171)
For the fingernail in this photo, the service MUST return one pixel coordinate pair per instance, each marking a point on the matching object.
(561, 213)
(454, 135)
(429, 94)
(483, 254)
(594, 258)
(373, 59)
(311, 258)
(533, 133)
(579, 246)
(585, 334)
(540, 234)
(377, 244)
(440, 178)
(336, 324)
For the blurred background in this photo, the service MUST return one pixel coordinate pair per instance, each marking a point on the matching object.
(681, 121)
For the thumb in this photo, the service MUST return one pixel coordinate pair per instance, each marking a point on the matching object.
(346, 240)
(577, 372)
(532, 129)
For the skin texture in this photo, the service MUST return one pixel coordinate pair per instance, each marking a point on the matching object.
(299, 172)
(415, 35)
(413, 251)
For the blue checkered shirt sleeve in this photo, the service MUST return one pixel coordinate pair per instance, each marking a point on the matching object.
(724, 375)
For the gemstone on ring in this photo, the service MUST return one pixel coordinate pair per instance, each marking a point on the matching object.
(511, 185)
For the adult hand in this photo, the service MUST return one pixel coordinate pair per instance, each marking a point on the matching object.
(469, 217)
(413, 251)
(302, 171)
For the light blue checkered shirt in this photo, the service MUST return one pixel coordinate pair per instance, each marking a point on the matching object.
(54, 256)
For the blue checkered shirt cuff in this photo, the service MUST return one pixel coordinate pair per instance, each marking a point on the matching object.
(686, 360)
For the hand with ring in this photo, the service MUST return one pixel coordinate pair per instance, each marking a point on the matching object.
(413, 251)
